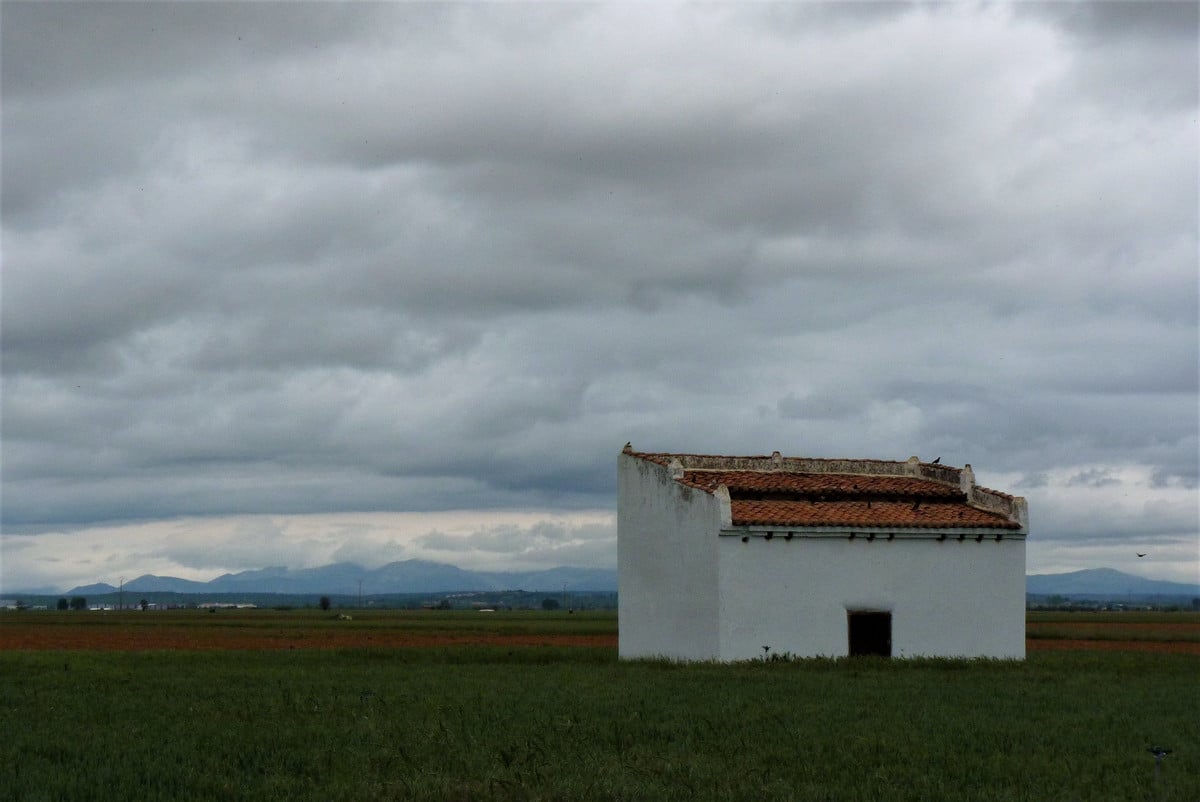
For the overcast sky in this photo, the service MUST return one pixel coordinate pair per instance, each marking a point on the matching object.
(285, 284)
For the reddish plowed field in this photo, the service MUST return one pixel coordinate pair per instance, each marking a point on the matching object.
(133, 640)
(1171, 647)
(1180, 636)
(189, 638)
(249, 632)
(1123, 626)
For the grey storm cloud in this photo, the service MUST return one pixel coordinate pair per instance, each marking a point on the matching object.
(543, 543)
(305, 258)
(512, 537)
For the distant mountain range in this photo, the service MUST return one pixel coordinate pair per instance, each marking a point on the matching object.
(1106, 582)
(423, 576)
(407, 576)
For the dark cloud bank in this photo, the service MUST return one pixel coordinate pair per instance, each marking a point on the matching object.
(309, 258)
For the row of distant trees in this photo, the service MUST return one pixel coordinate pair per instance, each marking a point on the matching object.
(547, 604)
(1060, 603)
(80, 603)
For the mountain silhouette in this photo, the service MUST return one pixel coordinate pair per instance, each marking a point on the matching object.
(1107, 582)
(406, 576)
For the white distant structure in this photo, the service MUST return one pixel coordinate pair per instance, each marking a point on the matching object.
(735, 558)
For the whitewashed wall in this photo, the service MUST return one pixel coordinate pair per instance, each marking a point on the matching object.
(667, 565)
(687, 592)
(952, 599)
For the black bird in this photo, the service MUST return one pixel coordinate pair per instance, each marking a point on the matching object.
(1141, 554)
(936, 461)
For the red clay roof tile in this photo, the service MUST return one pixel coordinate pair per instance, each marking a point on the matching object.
(829, 485)
(876, 514)
(802, 492)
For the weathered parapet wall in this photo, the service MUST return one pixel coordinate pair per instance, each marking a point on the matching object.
(938, 473)
(776, 462)
(1013, 507)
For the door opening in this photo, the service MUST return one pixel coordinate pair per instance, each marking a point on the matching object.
(870, 633)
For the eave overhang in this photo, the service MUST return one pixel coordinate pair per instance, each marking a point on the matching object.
(868, 534)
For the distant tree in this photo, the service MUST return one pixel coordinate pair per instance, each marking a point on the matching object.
(325, 602)
(78, 603)
(550, 604)
(143, 604)
(63, 604)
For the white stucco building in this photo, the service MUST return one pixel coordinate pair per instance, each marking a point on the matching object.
(734, 558)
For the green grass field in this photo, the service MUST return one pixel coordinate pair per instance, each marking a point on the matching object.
(469, 722)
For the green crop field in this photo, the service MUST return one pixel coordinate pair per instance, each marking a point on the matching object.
(472, 722)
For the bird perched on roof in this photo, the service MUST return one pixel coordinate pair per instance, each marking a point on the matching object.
(936, 461)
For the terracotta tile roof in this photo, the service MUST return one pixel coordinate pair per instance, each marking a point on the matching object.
(808, 492)
(861, 513)
(824, 485)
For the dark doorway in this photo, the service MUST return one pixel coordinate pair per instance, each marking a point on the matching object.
(870, 633)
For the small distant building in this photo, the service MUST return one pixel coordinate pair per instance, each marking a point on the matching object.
(735, 558)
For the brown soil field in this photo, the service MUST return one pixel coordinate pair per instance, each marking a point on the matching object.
(1121, 626)
(1177, 637)
(136, 631)
(200, 638)
(188, 638)
(1170, 647)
